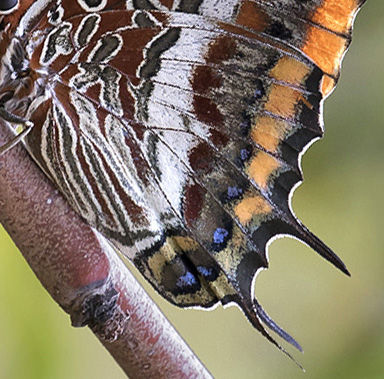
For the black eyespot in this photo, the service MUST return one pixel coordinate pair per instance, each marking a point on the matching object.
(6, 6)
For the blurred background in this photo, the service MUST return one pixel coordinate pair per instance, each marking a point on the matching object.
(338, 320)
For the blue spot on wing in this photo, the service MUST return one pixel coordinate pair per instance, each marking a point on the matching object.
(219, 235)
(209, 273)
(220, 239)
(234, 192)
(204, 271)
(187, 280)
(244, 154)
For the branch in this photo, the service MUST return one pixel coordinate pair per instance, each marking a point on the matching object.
(85, 276)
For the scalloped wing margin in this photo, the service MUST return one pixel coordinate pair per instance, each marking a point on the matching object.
(231, 136)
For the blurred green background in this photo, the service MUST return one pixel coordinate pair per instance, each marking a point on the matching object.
(338, 320)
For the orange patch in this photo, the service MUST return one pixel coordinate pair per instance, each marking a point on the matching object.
(282, 100)
(325, 49)
(336, 15)
(268, 132)
(250, 207)
(327, 85)
(261, 168)
(252, 17)
(290, 70)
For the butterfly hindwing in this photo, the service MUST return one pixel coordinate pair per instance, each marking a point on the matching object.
(176, 128)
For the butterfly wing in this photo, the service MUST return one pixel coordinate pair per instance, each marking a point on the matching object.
(176, 130)
(318, 29)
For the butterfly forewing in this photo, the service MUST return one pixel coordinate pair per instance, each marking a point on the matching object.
(176, 128)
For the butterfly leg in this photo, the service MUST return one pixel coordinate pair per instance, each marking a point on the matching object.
(28, 125)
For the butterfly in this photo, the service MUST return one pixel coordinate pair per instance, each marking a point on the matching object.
(176, 128)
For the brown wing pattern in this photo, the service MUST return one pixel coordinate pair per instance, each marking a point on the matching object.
(176, 127)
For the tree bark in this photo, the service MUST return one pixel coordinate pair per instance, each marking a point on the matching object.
(85, 276)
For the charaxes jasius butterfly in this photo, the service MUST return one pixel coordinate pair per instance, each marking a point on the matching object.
(175, 127)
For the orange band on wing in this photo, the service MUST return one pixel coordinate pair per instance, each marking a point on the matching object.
(250, 207)
(325, 49)
(261, 168)
(336, 15)
(282, 100)
(291, 71)
(327, 85)
(269, 132)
